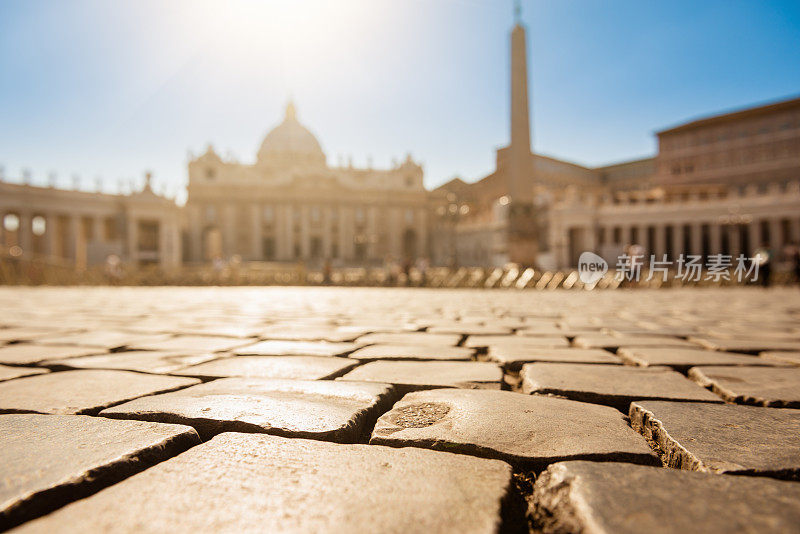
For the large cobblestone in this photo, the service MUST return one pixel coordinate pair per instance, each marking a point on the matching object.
(334, 364)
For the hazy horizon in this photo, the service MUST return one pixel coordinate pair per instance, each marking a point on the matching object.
(113, 89)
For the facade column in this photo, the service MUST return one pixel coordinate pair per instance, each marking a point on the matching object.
(421, 220)
(290, 211)
(733, 239)
(625, 236)
(98, 229)
(794, 228)
(659, 248)
(644, 239)
(51, 235)
(347, 232)
(715, 238)
(344, 252)
(132, 231)
(25, 233)
(305, 235)
(753, 230)
(677, 242)
(697, 238)
(775, 237)
(163, 242)
(395, 236)
(256, 239)
(327, 222)
(229, 245)
(195, 235)
(372, 238)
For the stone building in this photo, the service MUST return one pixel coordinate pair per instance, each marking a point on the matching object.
(85, 228)
(290, 205)
(724, 184)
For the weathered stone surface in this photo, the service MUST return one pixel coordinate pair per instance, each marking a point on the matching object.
(311, 333)
(469, 329)
(296, 367)
(256, 483)
(411, 352)
(105, 339)
(81, 392)
(28, 353)
(609, 498)
(16, 334)
(411, 376)
(749, 345)
(411, 338)
(327, 410)
(193, 343)
(722, 438)
(613, 385)
(8, 372)
(297, 348)
(760, 386)
(49, 460)
(512, 358)
(614, 342)
(136, 360)
(782, 357)
(522, 429)
(519, 342)
(683, 359)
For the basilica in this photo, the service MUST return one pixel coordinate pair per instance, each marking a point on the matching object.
(291, 205)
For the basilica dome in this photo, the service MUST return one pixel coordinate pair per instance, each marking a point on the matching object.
(290, 143)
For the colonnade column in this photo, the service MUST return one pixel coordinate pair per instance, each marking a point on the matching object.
(256, 241)
(25, 233)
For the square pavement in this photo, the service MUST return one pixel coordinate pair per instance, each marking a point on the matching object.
(399, 410)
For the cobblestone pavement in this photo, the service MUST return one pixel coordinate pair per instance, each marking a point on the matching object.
(399, 410)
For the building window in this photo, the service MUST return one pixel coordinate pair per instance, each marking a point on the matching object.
(148, 236)
(409, 181)
(315, 214)
(211, 214)
(409, 216)
(359, 214)
(269, 248)
(110, 225)
(269, 214)
(316, 247)
(211, 173)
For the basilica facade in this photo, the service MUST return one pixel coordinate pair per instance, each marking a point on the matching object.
(290, 205)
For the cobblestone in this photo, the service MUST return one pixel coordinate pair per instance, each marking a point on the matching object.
(683, 359)
(247, 483)
(335, 411)
(612, 385)
(605, 498)
(524, 430)
(298, 367)
(722, 438)
(81, 392)
(410, 376)
(475, 375)
(761, 386)
(49, 460)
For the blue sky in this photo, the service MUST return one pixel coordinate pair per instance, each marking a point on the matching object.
(109, 89)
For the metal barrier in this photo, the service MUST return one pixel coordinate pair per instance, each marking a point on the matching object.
(37, 270)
